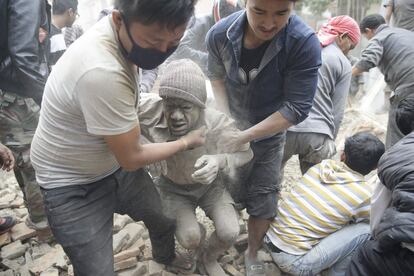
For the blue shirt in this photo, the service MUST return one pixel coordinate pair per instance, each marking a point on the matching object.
(285, 80)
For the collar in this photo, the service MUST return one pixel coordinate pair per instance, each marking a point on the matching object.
(381, 27)
(235, 34)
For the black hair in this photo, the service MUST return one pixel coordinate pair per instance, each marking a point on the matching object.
(168, 13)
(405, 115)
(61, 6)
(372, 21)
(362, 152)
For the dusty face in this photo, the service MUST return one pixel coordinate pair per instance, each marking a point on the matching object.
(267, 17)
(182, 116)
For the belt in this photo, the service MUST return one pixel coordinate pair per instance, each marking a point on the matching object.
(272, 248)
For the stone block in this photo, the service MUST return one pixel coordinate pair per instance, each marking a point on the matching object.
(22, 232)
(155, 269)
(140, 269)
(120, 239)
(167, 273)
(124, 264)
(17, 202)
(5, 239)
(6, 200)
(126, 254)
(120, 221)
(13, 250)
(51, 271)
(56, 257)
(230, 269)
(135, 231)
(7, 273)
(12, 264)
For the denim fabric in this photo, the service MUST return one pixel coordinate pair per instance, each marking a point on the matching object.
(261, 177)
(333, 253)
(81, 219)
(285, 80)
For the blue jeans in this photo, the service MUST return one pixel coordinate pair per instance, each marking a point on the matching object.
(333, 253)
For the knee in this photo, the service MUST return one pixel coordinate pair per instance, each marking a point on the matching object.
(229, 233)
(189, 238)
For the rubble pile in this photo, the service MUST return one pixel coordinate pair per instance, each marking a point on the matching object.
(23, 254)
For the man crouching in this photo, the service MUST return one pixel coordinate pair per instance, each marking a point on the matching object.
(194, 178)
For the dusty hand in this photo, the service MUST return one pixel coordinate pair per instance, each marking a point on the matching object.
(158, 168)
(233, 141)
(207, 168)
(195, 138)
(6, 158)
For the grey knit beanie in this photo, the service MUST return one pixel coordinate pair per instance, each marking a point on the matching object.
(184, 79)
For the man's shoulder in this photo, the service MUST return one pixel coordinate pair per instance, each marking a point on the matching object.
(298, 29)
(334, 58)
(219, 30)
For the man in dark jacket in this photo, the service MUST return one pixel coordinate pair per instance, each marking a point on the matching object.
(391, 251)
(23, 73)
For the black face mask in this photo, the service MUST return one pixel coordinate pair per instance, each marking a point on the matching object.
(146, 58)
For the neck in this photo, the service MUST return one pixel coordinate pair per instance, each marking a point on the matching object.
(58, 22)
(250, 40)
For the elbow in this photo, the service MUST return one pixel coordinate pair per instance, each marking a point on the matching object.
(130, 165)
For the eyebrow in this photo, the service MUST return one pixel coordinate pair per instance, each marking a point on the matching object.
(260, 10)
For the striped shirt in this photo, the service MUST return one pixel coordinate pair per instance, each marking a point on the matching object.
(329, 196)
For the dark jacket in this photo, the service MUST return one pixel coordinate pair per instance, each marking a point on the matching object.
(396, 171)
(21, 54)
(285, 80)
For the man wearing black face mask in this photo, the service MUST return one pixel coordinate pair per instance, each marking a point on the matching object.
(86, 150)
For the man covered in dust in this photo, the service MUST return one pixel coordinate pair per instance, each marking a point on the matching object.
(194, 178)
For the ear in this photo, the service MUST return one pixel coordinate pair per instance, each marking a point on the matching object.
(117, 19)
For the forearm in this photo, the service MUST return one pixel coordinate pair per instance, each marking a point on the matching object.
(146, 154)
(271, 125)
(238, 159)
(220, 95)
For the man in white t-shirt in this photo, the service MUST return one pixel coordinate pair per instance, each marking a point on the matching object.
(86, 151)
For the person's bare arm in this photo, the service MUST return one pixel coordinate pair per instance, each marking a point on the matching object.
(273, 124)
(220, 95)
(7, 160)
(132, 155)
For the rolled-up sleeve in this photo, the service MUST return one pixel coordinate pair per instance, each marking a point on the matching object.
(301, 78)
(371, 56)
(215, 66)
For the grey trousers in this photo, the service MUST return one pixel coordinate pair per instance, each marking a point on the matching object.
(312, 148)
(81, 219)
(393, 132)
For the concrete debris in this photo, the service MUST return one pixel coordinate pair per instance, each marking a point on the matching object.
(5, 239)
(13, 250)
(51, 271)
(155, 269)
(22, 232)
(124, 264)
(120, 221)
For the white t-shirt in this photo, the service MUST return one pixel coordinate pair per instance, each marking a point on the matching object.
(90, 93)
